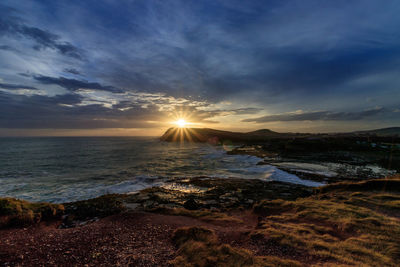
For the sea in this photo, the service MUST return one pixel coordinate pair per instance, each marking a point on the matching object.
(64, 169)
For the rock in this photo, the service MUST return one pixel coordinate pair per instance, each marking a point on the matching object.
(132, 206)
(211, 202)
(148, 204)
(229, 197)
(234, 199)
(226, 196)
(143, 197)
(170, 206)
(191, 204)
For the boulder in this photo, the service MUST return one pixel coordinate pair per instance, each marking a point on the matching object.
(191, 204)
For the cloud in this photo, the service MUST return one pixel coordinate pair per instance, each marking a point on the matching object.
(27, 75)
(8, 48)
(12, 26)
(277, 56)
(249, 52)
(63, 112)
(89, 109)
(318, 116)
(245, 111)
(72, 71)
(204, 113)
(73, 84)
(9, 86)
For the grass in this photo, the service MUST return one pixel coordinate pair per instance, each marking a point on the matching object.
(346, 223)
(205, 215)
(375, 185)
(15, 212)
(199, 247)
(200, 234)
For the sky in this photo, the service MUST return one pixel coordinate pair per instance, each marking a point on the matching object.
(133, 67)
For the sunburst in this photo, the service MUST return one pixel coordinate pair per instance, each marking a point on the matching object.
(181, 123)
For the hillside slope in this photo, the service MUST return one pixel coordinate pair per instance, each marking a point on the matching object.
(262, 135)
(392, 131)
(210, 135)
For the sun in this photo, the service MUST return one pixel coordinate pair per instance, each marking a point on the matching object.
(181, 123)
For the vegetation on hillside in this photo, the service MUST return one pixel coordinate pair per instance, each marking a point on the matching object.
(349, 223)
(346, 224)
(15, 212)
(198, 246)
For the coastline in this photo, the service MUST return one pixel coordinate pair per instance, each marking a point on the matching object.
(248, 219)
(214, 221)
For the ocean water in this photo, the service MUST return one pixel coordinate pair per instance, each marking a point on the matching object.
(62, 169)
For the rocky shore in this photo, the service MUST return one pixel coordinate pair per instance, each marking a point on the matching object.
(197, 197)
(326, 158)
(327, 166)
(207, 221)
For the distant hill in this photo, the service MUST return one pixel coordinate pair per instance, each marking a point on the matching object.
(216, 136)
(391, 131)
(210, 135)
(263, 132)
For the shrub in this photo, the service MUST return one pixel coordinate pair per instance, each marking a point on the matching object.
(15, 212)
(97, 207)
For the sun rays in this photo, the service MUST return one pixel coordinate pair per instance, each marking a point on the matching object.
(183, 119)
(181, 123)
(182, 134)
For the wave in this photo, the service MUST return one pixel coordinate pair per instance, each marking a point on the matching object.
(56, 171)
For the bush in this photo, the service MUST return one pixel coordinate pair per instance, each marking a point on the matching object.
(97, 207)
(15, 212)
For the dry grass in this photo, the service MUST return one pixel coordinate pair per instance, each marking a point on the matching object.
(15, 212)
(339, 225)
(199, 247)
(373, 185)
(204, 214)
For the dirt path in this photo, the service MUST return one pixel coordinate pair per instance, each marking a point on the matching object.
(135, 239)
(127, 239)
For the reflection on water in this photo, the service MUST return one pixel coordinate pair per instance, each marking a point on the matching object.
(66, 169)
(184, 188)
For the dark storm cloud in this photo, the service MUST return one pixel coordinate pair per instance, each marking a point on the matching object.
(25, 75)
(226, 112)
(319, 115)
(58, 112)
(236, 51)
(12, 26)
(73, 84)
(7, 48)
(45, 39)
(261, 55)
(72, 71)
(9, 86)
(244, 111)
